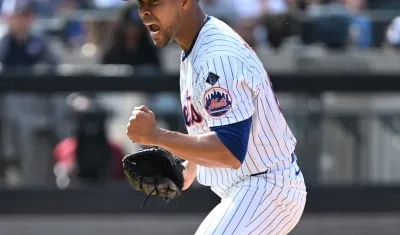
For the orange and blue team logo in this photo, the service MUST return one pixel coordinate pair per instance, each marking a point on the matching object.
(217, 101)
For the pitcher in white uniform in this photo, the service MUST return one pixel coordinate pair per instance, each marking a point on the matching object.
(238, 141)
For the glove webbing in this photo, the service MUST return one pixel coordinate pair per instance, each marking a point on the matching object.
(155, 189)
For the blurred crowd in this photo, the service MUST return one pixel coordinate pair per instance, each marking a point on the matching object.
(335, 23)
(72, 128)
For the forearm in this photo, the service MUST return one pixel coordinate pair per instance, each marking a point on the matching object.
(205, 149)
(189, 163)
(186, 163)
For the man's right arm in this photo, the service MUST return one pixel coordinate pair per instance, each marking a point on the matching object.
(190, 166)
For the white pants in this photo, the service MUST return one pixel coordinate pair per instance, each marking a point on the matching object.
(271, 203)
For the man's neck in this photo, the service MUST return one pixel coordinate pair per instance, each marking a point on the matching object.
(191, 25)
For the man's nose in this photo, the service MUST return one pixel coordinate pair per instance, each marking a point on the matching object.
(144, 12)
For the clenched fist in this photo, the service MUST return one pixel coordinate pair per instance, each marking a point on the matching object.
(142, 126)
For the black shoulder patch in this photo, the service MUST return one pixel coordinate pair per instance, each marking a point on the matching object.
(212, 78)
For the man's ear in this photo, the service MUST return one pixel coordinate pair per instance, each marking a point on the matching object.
(186, 4)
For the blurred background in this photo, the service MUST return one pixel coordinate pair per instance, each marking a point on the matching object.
(72, 70)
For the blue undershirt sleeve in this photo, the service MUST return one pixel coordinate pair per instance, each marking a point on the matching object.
(235, 137)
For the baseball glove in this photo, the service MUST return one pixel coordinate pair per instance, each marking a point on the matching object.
(154, 171)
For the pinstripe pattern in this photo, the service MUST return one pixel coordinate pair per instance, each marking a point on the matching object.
(220, 50)
(267, 204)
(270, 204)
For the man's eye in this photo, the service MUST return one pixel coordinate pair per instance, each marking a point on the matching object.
(139, 2)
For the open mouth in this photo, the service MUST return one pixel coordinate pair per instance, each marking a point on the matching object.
(153, 28)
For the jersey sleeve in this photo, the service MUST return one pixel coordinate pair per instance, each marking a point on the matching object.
(228, 91)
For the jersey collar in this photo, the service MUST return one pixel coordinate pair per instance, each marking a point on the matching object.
(185, 55)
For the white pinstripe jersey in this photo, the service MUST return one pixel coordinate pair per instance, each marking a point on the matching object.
(222, 81)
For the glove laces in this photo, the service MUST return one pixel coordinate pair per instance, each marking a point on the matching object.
(155, 189)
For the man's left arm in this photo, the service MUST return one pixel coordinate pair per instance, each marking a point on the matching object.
(227, 102)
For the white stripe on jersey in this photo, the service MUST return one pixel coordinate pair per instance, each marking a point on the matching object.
(244, 84)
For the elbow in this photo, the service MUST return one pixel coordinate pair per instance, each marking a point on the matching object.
(227, 161)
(236, 164)
(232, 160)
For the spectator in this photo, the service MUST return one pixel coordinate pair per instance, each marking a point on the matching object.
(248, 13)
(130, 43)
(330, 24)
(279, 20)
(88, 155)
(31, 123)
(20, 46)
(73, 31)
(361, 25)
(98, 28)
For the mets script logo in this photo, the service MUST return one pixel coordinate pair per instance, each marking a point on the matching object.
(217, 101)
(190, 115)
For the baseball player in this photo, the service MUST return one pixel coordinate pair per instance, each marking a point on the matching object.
(238, 141)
